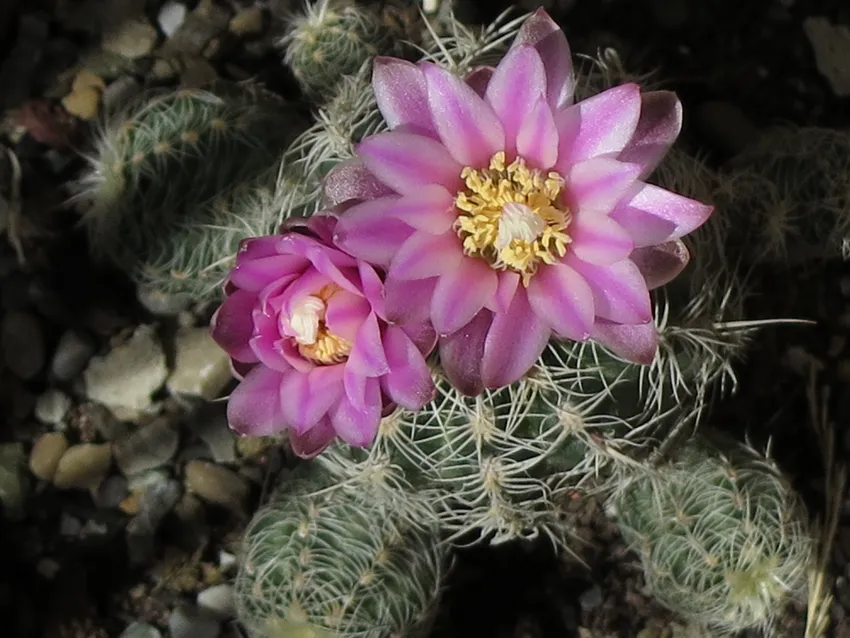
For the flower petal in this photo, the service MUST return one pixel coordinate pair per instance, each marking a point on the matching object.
(508, 283)
(515, 341)
(479, 78)
(598, 126)
(402, 95)
(422, 334)
(254, 406)
(351, 180)
(255, 274)
(356, 422)
(544, 34)
(661, 264)
(563, 300)
(314, 441)
(599, 240)
(256, 247)
(619, 291)
(345, 313)
(517, 85)
(424, 255)
(653, 215)
(406, 162)
(409, 302)
(306, 398)
(635, 343)
(367, 357)
(537, 140)
(598, 184)
(461, 293)
(461, 353)
(658, 127)
(466, 124)
(232, 325)
(367, 232)
(431, 210)
(409, 382)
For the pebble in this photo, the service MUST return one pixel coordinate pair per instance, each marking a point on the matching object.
(12, 460)
(217, 485)
(193, 529)
(120, 92)
(201, 367)
(72, 355)
(140, 630)
(52, 406)
(188, 622)
(162, 70)
(84, 104)
(46, 453)
(83, 466)
(154, 503)
(197, 73)
(125, 378)
(133, 39)
(831, 46)
(218, 601)
(171, 17)
(69, 525)
(248, 21)
(22, 341)
(204, 23)
(210, 425)
(149, 447)
(111, 492)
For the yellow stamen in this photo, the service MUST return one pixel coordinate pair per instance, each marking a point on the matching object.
(315, 341)
(512, 216)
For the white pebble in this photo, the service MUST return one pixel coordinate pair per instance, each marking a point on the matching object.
(218, 601)
(171, 17)
(52, 406)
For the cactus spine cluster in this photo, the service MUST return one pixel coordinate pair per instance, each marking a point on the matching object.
(721, 535)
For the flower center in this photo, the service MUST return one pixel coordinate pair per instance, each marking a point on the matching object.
(512, 217)
(306, 325)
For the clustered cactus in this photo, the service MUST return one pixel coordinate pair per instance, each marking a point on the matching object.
(356, 542)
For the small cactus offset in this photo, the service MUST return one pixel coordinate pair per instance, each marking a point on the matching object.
(330, 40)
(721, 535)
(338, 563)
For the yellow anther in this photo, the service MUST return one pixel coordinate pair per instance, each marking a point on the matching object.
(314, 340)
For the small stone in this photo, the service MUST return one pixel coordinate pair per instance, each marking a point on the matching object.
(83, 466)
(831, 45)
(125, 378)
(94, 418)
(133, 39)
(201, 367)
(590, 598)
(52, 406)
(111, 492)
(140, 630)
(217, 485)
(248, 21)
(149, 447)
(47, 568)
(155, 301)
(22, 341)
(197, 73)
(120, 92)
(72, 355)
(226, 561)
(171, 17)
(154, 503)
(46, 453)
(218, 601)
(210, 425)
(86, 79)
(69, 525)
(188, 622)
(162, 70)
(12, 460)
(204, 23)
(83, 104)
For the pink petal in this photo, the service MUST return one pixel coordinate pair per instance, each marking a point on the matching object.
(314, 441)
(508, 282)
(409, 382)
(653, 215)
(461, 293)
(406, 162)
(372, 287)
(366, 231)
(422, 334)
(345, 313)
(600, 125)
(306, 398)
(517, 85)
(515, 341)
(466, 124)
(256, 248)
(537, 140)
(619, 291)
(658, 127)
(254, 406)
(356, 421)
(424, 255)
(431, 210)
(563, 300)
(461, 353)
(661, 264)
(479, 78)
(255, 274)
(402, 95)
(232, 325)
(598, 239)
(409, 302)
(635, 343)
(367, 358)
(544, 34)
(351, 180)
(598, 184)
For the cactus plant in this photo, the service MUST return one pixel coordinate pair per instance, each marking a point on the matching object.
(338, 562)
(721, 535)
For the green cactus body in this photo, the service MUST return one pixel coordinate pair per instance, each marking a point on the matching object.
(329, 562)
(333, 39)
(721, 536)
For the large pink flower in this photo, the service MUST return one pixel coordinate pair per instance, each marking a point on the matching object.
(304, 322)
(505, 214)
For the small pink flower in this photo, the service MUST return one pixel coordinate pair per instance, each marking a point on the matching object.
(505, 214)
(304, 323)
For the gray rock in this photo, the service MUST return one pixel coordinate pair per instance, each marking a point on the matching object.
(188, 622)
(22, 342)
(140, 630)
(72, 355)
(170, 17)
(52, 406)
(201, 367)
(218, 601)
(131, 38)
(155, 502)
(217, 485)
(99, 418)
(120, 92)
(210, 425)
(207, 21)
(111, 492)
(149, 447)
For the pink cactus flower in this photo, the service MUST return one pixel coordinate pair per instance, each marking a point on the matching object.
(506, 214)
(304, 326)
